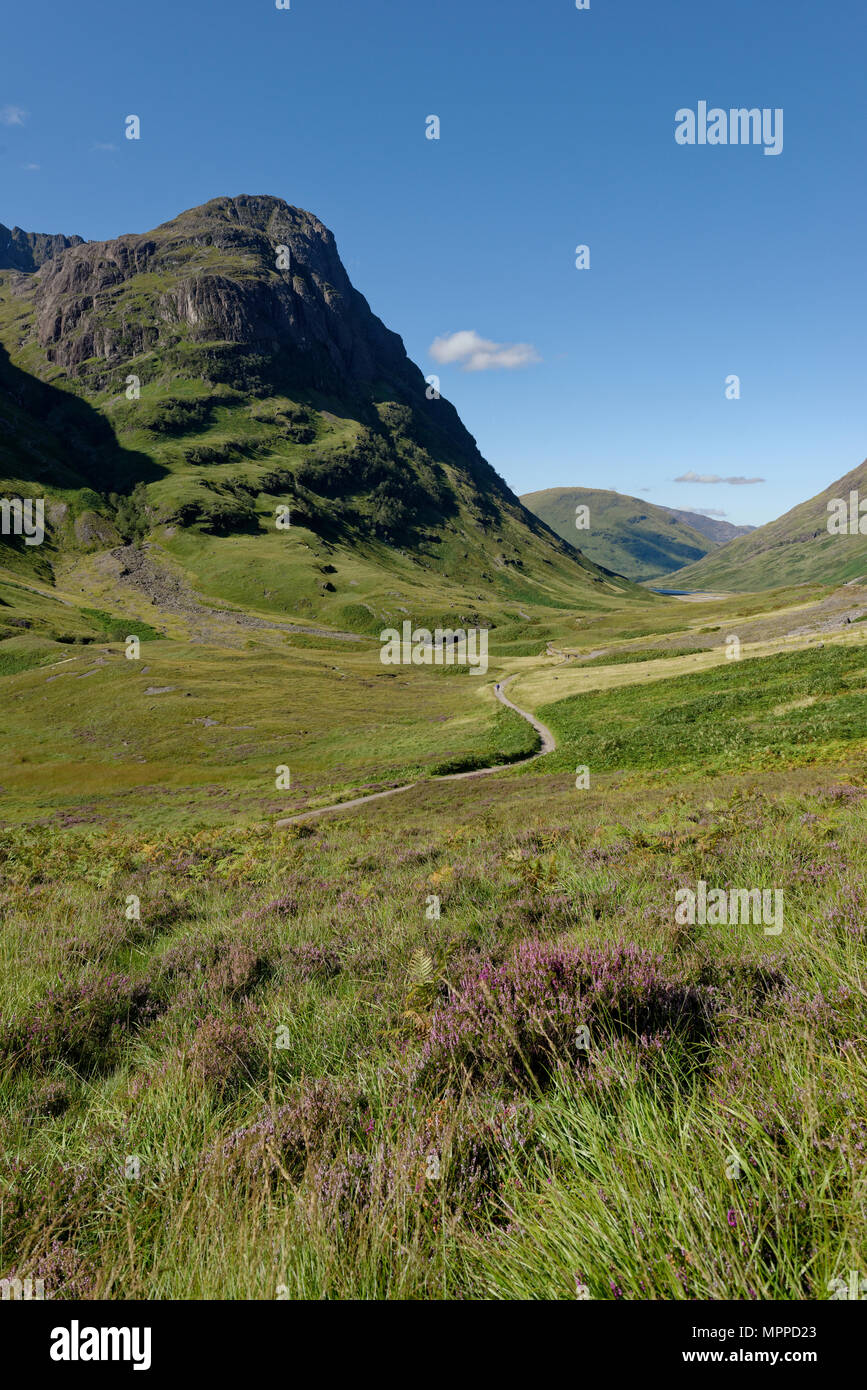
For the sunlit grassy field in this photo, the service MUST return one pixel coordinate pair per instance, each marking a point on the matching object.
(454, 1044)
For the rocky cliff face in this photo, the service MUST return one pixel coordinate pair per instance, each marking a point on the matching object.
(251, 347)
(27, 251)
(211, 295)
(212, 274)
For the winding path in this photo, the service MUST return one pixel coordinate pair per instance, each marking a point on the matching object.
(548, 745)
(548, 741)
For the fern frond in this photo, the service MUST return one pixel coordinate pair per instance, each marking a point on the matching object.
(421, 970)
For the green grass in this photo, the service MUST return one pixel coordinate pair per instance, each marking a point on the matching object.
(644, 654)
(605, 1175)
(117, 629)
(11, 663)
(733, 716)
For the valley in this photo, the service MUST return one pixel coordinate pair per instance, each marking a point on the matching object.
(365, 969)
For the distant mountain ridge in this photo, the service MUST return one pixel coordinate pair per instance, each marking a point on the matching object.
(27, 251)
(711, 526)
(797, 548)
(632, 537)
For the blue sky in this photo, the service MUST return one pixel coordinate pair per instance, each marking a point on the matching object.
(557, 129)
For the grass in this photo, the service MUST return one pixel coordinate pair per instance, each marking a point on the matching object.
(449, 1044)
(771, 711)
(117, 629)
(284, 1037)
(11, 663)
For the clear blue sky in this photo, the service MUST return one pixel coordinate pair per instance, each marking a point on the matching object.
(557, 128)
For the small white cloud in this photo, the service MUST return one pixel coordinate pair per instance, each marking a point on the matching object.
(99, 145)
(13, 115)
(477, 354)
(715, 478)
(31, 166)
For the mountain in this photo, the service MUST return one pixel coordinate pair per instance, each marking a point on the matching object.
(633, 538)
(709, 526)
(795, 549)
(27, 251)
(177, 387)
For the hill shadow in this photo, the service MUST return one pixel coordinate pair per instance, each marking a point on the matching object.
(53, 437)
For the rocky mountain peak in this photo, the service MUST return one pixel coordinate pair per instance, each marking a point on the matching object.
(216, 273)
(27, 251)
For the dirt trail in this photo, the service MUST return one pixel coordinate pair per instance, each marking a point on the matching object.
(548, 741)
(548, 746)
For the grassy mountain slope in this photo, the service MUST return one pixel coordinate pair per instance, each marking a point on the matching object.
(633, 538)
(794, 549)
(250, 388)
(180, 386)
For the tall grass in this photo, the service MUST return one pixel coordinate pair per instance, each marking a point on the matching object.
(264, 1042)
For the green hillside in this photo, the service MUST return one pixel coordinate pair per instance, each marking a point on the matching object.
(795, 549)
(633, 538)
(179, 387)
(167, 394)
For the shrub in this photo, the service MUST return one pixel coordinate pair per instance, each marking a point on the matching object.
(83, 1024)
(226, 1051)
(520, 1019)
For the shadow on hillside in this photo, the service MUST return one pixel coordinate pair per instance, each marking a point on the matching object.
(53, 437)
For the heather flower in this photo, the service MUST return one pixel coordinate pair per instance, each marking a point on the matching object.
(83, 1024)
(284, 906)
(63, 1271)
(520, 1019)
(221, 966)
(314, 961)
(48, 1098)
(226, 1051)
(282, 1141)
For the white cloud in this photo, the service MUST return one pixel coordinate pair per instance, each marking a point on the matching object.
(477, 354)
(13, 115)
(715, 478)
(30, 167)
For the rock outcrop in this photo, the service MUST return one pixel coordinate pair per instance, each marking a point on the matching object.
(215, 274)
(27, 251)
